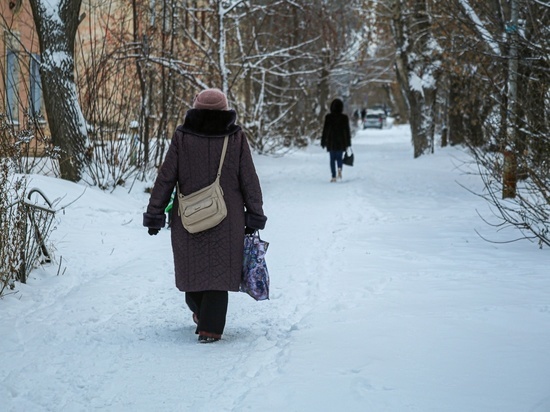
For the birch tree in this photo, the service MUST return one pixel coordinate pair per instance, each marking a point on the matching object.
(271, 67)
(301, 56)
(344, 53)
(56, 23)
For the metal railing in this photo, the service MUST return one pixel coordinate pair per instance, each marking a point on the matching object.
(38, 226)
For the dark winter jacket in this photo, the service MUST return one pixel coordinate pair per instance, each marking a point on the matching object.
(336, 130)
(209, 260)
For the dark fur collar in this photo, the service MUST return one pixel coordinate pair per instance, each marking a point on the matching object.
(210, 123)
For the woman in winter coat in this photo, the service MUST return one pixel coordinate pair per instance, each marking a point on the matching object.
(336, 136)
(208, 264)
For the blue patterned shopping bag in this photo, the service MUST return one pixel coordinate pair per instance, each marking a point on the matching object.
(255, 277)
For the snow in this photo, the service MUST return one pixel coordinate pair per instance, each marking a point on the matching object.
(416, 83)
(383, 298)
(480, 27)
(51, 10)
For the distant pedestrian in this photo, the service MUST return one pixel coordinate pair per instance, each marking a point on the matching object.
(336, 137)
(208, 264)
(355, 116)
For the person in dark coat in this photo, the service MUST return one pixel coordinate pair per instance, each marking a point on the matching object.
(363, 115)
(208, 264)
(336, 136)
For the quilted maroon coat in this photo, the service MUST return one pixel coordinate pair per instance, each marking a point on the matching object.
(209, 260)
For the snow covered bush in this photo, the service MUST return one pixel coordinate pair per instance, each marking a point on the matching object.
(12, 229)
(24, 225)
(497, 102)
(529, 210)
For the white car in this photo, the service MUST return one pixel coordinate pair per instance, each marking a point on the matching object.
(375, 119)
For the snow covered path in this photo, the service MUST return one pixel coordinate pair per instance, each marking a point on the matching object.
(383, 299)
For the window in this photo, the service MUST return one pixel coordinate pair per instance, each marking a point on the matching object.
(12, 92)
(35, 87)
(15, 5)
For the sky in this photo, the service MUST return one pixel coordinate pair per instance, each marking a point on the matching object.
(383, 298)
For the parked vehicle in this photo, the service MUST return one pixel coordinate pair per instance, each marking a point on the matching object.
(375, 119)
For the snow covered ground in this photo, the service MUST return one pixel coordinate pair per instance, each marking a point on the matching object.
(383, 299)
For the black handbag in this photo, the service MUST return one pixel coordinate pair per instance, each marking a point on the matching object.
(348, 157)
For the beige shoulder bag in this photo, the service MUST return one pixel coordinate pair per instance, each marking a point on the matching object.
(205, 208)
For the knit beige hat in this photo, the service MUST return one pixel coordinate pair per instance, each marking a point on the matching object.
(211, 99)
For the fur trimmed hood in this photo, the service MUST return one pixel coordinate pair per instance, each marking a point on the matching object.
(210, 123)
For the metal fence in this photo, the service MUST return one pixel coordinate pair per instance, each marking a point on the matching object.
(38, 223)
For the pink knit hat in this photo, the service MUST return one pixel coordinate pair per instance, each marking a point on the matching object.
(212, 99)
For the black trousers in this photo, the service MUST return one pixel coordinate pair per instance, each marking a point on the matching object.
(210, 306)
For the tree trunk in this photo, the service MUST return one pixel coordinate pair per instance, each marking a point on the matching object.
(401, 108)
(145, 98)
(456, 113)
(421, 121)
(56, 29)
(324, 88)
(222, 48)
(414, 66)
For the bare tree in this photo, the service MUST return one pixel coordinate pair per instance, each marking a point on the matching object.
(417, 67)
(471, 55)
(56, 23)
(503, 76)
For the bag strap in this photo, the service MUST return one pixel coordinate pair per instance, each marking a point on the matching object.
(222, 159)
